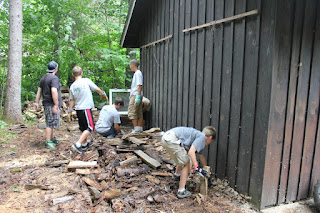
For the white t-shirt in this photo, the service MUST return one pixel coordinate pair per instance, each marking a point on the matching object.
(109, 115)
(80, 92)
(136, 81)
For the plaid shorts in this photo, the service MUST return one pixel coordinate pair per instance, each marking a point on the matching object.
(52, 120)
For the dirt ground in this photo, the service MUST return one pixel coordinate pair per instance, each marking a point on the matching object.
(30, 178)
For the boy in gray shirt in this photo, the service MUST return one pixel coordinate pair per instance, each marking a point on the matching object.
(182, 144)
(109, 119)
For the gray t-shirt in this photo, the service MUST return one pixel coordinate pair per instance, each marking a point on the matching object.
(109, 115)
(80, 92)
(190, 136)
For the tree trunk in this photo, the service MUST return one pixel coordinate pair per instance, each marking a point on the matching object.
(13, 91)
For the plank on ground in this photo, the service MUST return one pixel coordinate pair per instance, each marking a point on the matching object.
(150, 161)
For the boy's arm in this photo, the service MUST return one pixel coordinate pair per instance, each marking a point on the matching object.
(54, 93)
(102, 93)
(192, 154)
(38, 96)
(139, 89)
(71, 104)
(117, 127)
(203, 160)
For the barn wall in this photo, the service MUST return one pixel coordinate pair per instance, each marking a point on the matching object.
(219, 76)
(293, 151)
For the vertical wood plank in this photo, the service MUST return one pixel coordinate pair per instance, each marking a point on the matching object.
(180, 63)
(316, 163)
(279, 91)
(301, 101)
(248, 99)
(208, 70)
(200, 65)
(152, 55)
(159, 59)
(295, 54)
(217, 66)
(175, 64)
(166, 64)
(162, 56)
(237, 76)
(170, 75)
(312, 113)
(193, 64)
(186, 65)
(226, 74)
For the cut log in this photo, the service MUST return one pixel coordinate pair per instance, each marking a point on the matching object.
(82, 164)
(92, 183)
(129, 171)
(111, 194)
(88, 171)
(164, 174)
(136, 141)
(146, 158)
(204, 182)
(61, 200)
(152, 130)
(130, 160)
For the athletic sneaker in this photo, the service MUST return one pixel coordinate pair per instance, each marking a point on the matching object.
(176, 177)
(87, 146)
(50, 145)
(56, 141)
(184, 194)
(78, 149)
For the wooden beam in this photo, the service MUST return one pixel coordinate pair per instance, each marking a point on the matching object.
(231, 18)
(146, 158)
(204, 182)
(155, 42)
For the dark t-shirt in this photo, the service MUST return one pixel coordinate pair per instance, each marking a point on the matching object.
(46, 82)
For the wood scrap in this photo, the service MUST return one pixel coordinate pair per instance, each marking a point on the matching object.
(153, 179)
(82, 164)
(94, 192)
(146, 158)
(35, 186)
(88, 171)
(204, 182)
(92, 183)
(56, 195)
(129, 171)
(136, 141)
(124, 137)
(152, 130)
(163, 174)
(111, 194)
(61, 200)
(130, 160)
(59, 163)
(113, 142)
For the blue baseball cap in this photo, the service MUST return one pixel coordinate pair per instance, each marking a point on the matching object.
(52, 66)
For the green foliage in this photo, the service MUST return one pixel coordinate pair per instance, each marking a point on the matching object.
(85, 33)
(15, 188)
(5, 135)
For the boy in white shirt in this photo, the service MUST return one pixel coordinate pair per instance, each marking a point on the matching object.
(135, 113)
(81, 97)
(109, 119)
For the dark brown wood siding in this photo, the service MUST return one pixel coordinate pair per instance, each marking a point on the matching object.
(255, 79)
(292, 166)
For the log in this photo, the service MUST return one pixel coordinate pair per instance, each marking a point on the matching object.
(130, 160)
(92, 183)
(136, 141)
(146, 158)
(82, 164)
(129, 171)
(204, 182)
(163, 174)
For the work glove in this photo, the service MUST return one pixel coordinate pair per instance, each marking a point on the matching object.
(69, 110)
(201, 171)
(138, 100)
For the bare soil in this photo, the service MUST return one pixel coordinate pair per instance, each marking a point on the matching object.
(24, 164)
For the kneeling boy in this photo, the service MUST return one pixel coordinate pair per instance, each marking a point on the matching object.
(109, 119)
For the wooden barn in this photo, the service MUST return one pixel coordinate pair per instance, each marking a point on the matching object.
(250, 68)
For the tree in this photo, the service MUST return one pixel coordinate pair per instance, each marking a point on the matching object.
(13, 90)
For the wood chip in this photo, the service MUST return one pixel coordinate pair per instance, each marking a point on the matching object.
(61, 200)
(56, 195)
(164, 174)
(130, 160)
(153, 179)
(88, 171)
(92, 183)
(136, 141)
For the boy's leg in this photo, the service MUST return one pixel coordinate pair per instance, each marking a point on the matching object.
(132, 111)
(184, 176)
(49, 133)
(84, 136)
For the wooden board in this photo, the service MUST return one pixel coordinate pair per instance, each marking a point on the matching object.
(82, 164)
(146, 158)
(136, 141)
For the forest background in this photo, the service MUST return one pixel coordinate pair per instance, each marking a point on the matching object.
(82, 33)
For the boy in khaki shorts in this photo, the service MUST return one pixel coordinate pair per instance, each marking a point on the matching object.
(135, 113)
(182, 144)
